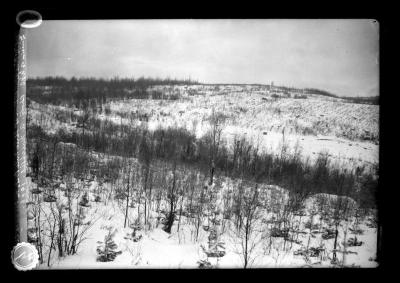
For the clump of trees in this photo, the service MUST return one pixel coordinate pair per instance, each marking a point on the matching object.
(320, 92)
(93, 92)
(374, 100)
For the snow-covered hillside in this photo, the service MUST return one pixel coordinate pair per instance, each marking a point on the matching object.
(123, 209)
(347, 132)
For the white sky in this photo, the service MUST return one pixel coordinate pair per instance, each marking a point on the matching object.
(340, 56)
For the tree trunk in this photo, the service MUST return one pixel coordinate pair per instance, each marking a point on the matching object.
(52, 160)
(150, 201)
(180, 214)
(60, 234)
(40, 248)
(246, 243)
(52, 232)
(145, 195)
(335, 243)
(127, 205)
(171, 216)
(199, 214)
(212, 172)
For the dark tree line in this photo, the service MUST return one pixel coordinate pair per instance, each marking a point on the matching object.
(82, 92)
(374, 100)
(320, 92)
(113, 83)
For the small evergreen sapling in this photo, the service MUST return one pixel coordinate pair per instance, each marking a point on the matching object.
(84, 201)
(107, 251)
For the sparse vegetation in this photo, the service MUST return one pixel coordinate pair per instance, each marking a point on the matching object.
(172, 177)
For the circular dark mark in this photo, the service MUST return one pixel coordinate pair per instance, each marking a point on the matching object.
(29, 19)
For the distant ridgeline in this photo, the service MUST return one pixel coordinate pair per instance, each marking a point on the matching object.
(320, 92)
(57, 90)
(364, 100)
(353, 99)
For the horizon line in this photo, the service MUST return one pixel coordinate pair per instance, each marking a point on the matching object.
(194, 81)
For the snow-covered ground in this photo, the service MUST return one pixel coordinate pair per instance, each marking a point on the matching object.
(348, 133)
(158, 249)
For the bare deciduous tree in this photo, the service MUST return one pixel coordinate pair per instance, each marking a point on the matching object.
(249, 234)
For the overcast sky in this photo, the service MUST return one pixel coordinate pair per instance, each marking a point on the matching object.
(340, 56)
